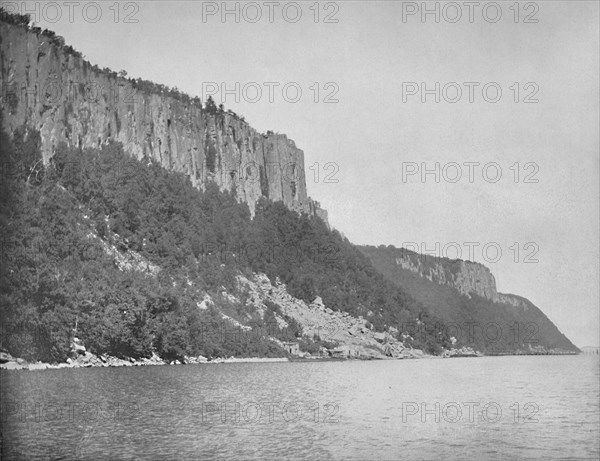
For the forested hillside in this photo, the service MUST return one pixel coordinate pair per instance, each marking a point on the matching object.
(68, 226)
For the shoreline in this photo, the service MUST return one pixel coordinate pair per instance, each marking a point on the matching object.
(89, 360)
(113, 362)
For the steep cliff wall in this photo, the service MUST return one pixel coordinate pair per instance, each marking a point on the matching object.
(49, 87)
(464, 276)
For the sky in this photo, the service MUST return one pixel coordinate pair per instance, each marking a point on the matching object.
(503, 98)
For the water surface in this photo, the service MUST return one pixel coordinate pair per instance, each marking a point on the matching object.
(543, 407)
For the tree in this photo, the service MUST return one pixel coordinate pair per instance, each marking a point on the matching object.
(211, 107)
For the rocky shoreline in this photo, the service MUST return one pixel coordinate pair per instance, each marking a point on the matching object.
(89, 360)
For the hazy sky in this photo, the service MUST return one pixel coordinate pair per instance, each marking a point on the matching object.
(369, 57)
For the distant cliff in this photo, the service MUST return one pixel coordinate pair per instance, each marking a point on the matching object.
(464, 294)
(50, 87)
(466, 277)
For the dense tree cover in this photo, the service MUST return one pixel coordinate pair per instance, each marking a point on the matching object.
(57, 278)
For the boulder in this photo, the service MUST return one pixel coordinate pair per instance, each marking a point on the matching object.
(380, 337)
(318, 303)
(6, 357)
(77, 346)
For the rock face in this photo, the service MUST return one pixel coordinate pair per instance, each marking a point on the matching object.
(465, 276)
(49, 87)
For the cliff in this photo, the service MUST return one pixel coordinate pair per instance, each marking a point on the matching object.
(49, 87)
(467, 277)
(464, 294)
(464, 276)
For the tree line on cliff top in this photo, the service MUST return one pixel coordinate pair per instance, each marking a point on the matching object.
(24, 21)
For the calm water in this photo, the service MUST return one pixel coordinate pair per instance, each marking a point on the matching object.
(484, 408)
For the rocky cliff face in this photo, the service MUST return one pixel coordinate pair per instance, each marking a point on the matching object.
(465, 276)
(49, 87)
